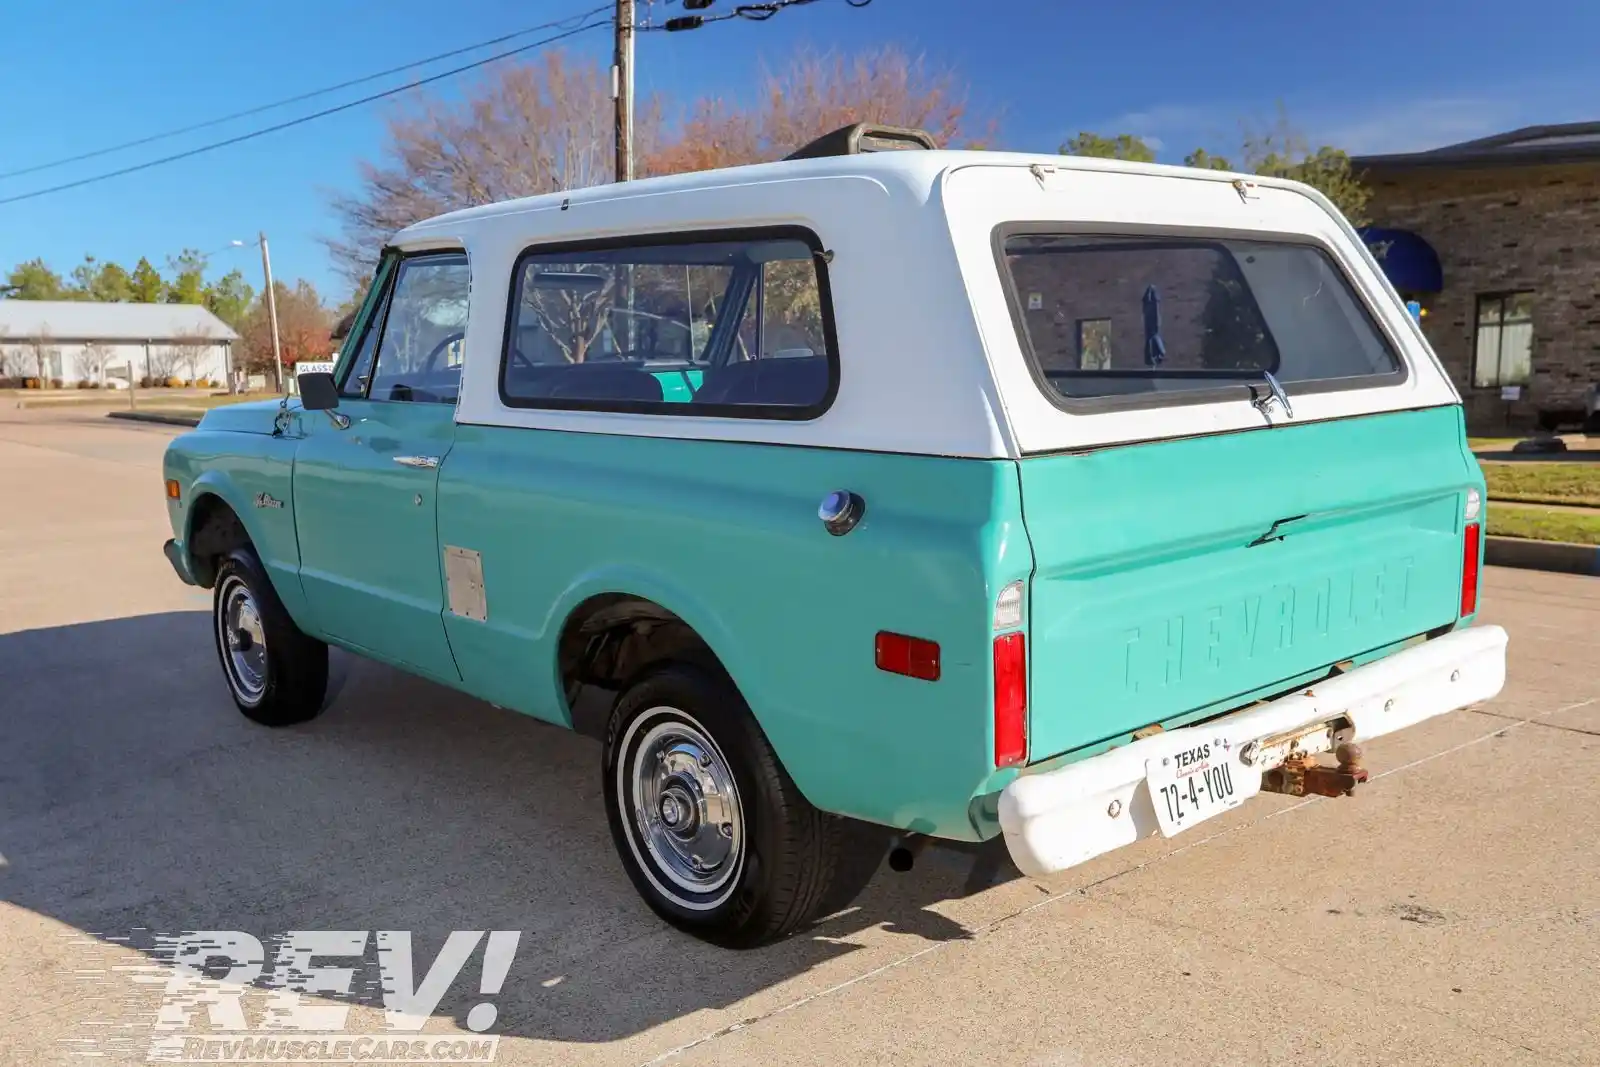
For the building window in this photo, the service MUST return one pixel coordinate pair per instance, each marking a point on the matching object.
(1505, 340)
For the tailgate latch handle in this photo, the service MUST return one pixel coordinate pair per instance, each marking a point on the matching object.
(1273, 534)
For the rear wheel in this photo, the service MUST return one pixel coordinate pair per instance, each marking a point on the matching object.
(276, 674)
(711, 829)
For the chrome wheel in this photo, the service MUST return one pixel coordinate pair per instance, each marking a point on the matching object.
(683, 806)
(242, 639)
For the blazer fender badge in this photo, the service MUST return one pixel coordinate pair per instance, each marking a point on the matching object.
(266, 500)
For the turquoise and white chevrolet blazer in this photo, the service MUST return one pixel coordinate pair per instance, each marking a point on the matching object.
(937, 494)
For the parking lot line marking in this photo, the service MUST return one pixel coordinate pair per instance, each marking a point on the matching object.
(1544, 723)
(989, 927)
(1480, 740)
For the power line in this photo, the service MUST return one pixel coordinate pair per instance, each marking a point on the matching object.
(152, 138)
(759, 12)
(252, 135)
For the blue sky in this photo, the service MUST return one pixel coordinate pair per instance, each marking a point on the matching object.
(1364, 75)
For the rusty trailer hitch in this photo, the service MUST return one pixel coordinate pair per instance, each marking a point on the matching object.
(1301, 775)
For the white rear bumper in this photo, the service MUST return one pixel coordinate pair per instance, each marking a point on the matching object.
(1060, 818)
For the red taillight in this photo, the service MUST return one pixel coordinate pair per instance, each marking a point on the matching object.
(910, 656)
(1010, 700)
(1469, 570)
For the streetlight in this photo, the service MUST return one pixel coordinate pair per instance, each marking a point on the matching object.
(271, 298)
(224, 248)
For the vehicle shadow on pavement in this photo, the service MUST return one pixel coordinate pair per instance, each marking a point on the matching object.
(135, 800)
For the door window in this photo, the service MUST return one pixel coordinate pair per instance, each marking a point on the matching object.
(359, 375)
(417, 355)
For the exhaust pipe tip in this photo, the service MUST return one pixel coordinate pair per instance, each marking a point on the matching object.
(904, 851)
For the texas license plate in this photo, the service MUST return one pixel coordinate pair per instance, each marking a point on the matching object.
(1193, 782)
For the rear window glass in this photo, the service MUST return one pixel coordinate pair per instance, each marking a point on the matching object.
(1116, 316)
(719, 327)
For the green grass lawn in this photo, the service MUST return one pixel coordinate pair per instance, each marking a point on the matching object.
(1531, 482)
(1540, 524)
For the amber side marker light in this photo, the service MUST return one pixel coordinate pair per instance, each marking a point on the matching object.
(172, 489)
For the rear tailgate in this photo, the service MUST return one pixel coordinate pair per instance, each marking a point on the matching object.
(1162, 587)
(1240, 463)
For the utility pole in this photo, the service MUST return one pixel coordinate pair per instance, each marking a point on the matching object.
(622, 89)
(272, 309)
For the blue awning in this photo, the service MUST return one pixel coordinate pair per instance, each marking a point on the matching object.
(1410, 262)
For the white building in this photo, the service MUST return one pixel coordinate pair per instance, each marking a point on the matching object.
(82, 341)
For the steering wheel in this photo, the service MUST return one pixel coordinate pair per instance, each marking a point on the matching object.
(439, 350)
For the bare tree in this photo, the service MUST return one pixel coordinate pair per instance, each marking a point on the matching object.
(545, 127)
(41, 348)
(13, 362)
(816, 92)
(92, 361)
(189, 349)
(523, 129)
(162, 363)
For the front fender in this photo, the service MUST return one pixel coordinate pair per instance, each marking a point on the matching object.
(253, 475)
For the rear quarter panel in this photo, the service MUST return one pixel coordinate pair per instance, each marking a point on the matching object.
(727, 537)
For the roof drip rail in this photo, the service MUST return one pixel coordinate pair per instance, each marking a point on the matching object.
(863, 137)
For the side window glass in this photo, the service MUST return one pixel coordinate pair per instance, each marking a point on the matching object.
(689, 328)
(359, 375)
(419, 356)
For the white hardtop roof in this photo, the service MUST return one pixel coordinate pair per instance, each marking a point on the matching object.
(914, 280)
(910, 169)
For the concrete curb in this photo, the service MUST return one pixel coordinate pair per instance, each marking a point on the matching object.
(1542, 555)
(155, 416)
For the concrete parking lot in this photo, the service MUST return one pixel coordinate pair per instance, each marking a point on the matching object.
(1448, 914)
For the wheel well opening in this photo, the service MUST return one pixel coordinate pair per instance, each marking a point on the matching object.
(214, 531)
(609, 640)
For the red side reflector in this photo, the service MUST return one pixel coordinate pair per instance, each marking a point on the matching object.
(1469, 570)
(910, 656)
(1010, 700)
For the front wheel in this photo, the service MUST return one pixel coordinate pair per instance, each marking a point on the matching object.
(711, 829)
(275, 672)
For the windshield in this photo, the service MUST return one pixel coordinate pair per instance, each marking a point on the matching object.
(1112, 316)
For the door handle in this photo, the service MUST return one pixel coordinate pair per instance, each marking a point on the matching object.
(420, 462)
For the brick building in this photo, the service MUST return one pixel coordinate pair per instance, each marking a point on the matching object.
(1499, 240)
